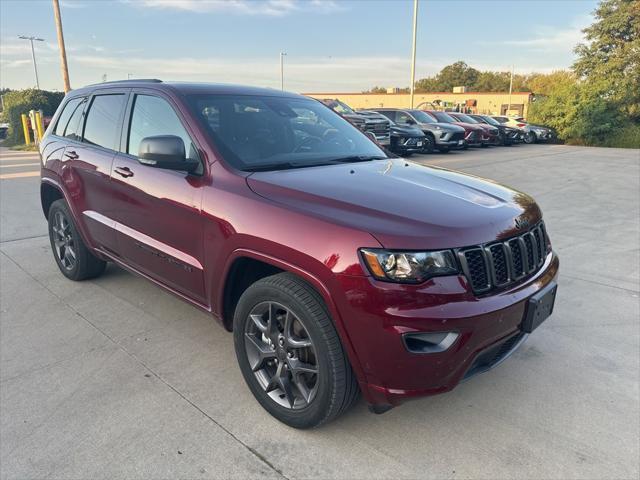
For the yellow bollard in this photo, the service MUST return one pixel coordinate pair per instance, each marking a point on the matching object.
(25, 129)
(39, 126)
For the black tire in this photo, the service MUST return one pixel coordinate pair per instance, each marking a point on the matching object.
(429, 143)
(336, 388)
(82, 265)
(443, 149)
(530, 138)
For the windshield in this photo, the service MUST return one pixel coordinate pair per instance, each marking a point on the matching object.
(340, 107)
(443, 117)
(271, 133)
(491, 121)
(466, 118)
(422, 117)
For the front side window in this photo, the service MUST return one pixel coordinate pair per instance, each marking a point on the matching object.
(67, 114)
(153, 116)
(103, 120)
(265, 132)
(404, 118)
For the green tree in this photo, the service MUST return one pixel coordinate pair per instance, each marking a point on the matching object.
(609, 64)
(17, 102)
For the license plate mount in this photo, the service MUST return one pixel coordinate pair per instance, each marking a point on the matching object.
(539, 307)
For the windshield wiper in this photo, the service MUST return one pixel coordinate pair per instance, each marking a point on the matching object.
(356, 158)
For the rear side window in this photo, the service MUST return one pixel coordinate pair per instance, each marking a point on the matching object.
(153, 116)
(68, 121)
(103, 120)
(390, 114)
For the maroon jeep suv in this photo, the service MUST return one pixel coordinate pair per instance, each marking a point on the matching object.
(339, 270)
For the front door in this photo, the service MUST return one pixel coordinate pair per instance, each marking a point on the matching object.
(158, 212)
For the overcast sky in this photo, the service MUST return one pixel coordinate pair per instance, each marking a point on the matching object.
(331, 46)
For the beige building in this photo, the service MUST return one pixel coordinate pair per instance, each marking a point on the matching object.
(493, 103)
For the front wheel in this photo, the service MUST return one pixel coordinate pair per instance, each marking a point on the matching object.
(530, 137)
(443, 149)
(429, 143)
(290, 354)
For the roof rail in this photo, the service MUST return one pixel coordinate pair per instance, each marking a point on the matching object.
(132, 80)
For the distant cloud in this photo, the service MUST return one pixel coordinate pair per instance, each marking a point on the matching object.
(548, 39)
(274, 8)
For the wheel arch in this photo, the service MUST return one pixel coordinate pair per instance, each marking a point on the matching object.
(49, 193)
(227, 297)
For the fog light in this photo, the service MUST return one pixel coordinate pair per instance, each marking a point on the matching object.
(424, 342)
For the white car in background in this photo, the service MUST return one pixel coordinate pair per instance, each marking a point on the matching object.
(532, 133)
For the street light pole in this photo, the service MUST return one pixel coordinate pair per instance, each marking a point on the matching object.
(63, 50)
(282, 54)
(413, 54)
(33, 55)
(510, 89)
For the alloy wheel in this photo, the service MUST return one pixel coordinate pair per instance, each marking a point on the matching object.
(63, 241)
(281, 355)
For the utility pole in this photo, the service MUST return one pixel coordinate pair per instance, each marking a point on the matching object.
(63, 50)
(413, 54)
(282, 55)
(33, 55)
(510, 89)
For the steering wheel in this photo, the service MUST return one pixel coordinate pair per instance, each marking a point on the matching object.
(308, 142)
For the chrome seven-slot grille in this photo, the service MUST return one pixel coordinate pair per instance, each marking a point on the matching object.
(499, 264)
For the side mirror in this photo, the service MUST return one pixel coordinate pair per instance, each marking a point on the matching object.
(410, 121)
(165, 151)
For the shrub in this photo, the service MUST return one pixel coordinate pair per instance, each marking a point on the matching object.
(18, 102)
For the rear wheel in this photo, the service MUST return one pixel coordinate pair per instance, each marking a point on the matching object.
(74, 259)
(290, 354)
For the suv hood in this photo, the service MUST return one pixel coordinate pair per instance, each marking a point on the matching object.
(404, 205)
(444, 127)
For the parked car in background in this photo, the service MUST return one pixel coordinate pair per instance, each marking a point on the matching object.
(405, 139)
(508, 135)
(439, 136)
(4, 128)
(490, 135)
(378, 127)
(338, 269)
(531, 133)
(472, 133)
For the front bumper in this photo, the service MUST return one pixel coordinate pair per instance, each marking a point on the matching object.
(379, 313)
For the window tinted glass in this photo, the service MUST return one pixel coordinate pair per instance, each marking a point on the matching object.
(73, 130)
(154, 116)
(403, 117)
(66, 115)
(465, 118)
(422, 117)
(443, 117)
(390, 114)
(101, 127)
(490, 120)
(279, 132)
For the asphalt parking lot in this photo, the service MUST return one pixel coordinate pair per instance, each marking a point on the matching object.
(115, 378)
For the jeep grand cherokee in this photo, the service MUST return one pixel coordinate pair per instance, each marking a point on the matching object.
(339, 270)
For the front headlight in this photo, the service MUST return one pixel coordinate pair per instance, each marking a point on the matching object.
(409, 267)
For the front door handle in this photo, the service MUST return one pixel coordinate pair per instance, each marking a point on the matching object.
(124, 172)
(71, 155)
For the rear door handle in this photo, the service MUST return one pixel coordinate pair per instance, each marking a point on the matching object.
(71, 155)
(124, 172)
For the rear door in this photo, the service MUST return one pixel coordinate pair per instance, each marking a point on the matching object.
(158, 212)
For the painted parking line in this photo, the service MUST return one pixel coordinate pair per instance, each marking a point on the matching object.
(16, 165)
(19, 159)
(7, 176)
